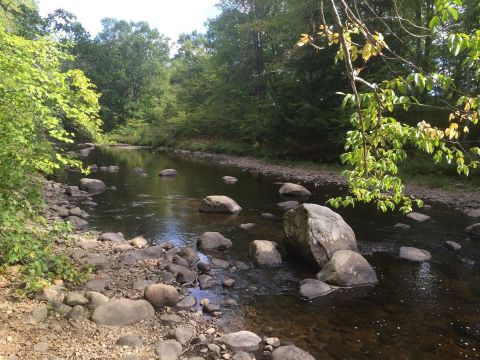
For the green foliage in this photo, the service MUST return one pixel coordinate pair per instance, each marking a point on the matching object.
(39, 105)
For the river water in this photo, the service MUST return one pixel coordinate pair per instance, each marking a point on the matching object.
(426, 310)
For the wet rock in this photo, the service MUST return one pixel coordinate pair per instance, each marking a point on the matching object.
(473, 230)
(288, 205)
(122, 312)
(213, 241)
(402, 226)
(229, 179)
(113, 169)
(95, 299)
(182, 273)
(264, 252)
(204, 267)
(77, 223)
(418, 216)
(220, 264)
(267, 216)
(241, 265)
(219, 204)
(168, 350)
(414, 254)
(38, 315)
(103, 168)
(92, 186)
(246, 226)
(177, 259)
(315, 233)
(205, 281)
(132, 341)
(190, 255)
(228, 282)
(241, 341)
(290, 352)
(138, 170)
(73, 191)
(184, 335)
(113, 237)
(74, 298)
(168, 172)
(452, 245)
(186, 277)
(161, 295)
(186, 303)
(472, 212)
(347, 268)
(138, 242)
(294, 190)
(312, 288)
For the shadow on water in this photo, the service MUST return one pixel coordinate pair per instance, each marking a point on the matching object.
(417, 311)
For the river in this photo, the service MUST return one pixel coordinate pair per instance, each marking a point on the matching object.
(417, 311)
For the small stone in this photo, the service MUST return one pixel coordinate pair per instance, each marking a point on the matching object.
(74, 298)
(39, 314)
(184, 335)
(205, 281)
(204, 302)
(211, 308)
(171, 318)
(186, 303)
(312, 288)
(273, 341)
(219, 264)
(402, 226)
(267, 216)
(246, 226)
(452, 245)
(214, 348)
(168, 349)
(204, 267)
(228, 282)
(40, 347)
(168, 172)
(414, 254)
(161, 295)
(77, 313)
(241, 265)
(138, 242)
(241, 341)
(130, 341)
(95, 299)
(113, 237)
(418, 216)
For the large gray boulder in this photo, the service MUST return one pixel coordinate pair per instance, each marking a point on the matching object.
(294, 190)
(122, 312)
(315, 232)
(92, 186)
(347, 268)
(264, 252)
(240, 341)
(219, 204)
(213, 241)
(290, 352)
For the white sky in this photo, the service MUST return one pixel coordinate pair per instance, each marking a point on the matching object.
(170, 17)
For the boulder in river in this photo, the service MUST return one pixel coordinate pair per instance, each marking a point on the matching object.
(473, 230)
(414, 254)
(168, 173)
(264, 253)
(229, 179)
(418, 216)
(122, 312)
(315, 233)
(347, 268)
(290, 352)
(288, 205)
(113, 168)
(92, 186)
(219, 204)
(313, 288)
(212, 240)
(294, 190)
(452, 245)
(246, 226)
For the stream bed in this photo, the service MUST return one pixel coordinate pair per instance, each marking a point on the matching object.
(427, 310)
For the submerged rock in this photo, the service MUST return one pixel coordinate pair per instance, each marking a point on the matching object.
(122, 312)
(219, 204)
(290, 352)
(452, 245)
(473, 230)
(241, 341)
(315, 233)
(213, 241)
(168, 172)
(347, 268)
(418, 216)
(288, 205)
(313, 288)
(414, 254)
(246, 226)
(264, 252)
(229, 179)
(294, 190)
(92, 186)
(402, 226)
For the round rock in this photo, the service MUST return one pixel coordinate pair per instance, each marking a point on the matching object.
(161, 295)
(213, 241)
(414, 254)
(219, 204)
(294, 190)
(241, 341)
(122, 312)
(264, 253)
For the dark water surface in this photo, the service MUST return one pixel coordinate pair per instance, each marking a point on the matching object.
(426, 310)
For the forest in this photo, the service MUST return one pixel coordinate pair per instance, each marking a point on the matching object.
(383, 93)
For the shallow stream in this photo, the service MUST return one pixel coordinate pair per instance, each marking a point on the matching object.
(426, 310)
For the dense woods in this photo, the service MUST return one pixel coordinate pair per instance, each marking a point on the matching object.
(378, 80)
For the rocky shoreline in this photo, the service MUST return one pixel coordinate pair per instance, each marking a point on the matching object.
(136, 304)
